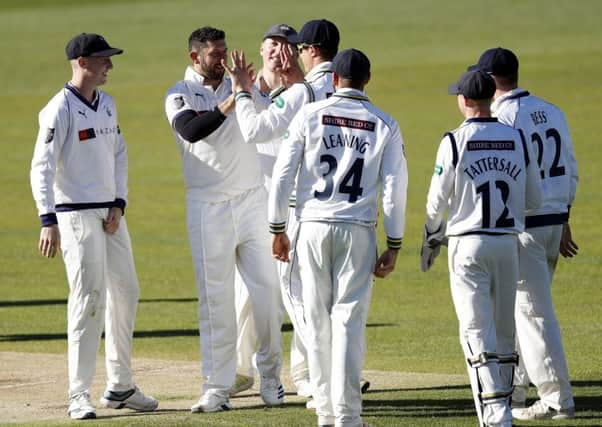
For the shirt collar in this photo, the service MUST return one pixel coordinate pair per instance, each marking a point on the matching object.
(512, 94)
(192, 75)
(347, 92)
(318, 70)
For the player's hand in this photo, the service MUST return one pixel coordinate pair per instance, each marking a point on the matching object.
(385, 264)
(291, 72)
(431, 246)
(50, 241)
(568, 248)
(111, 223)
(280, 247)
(241, 73)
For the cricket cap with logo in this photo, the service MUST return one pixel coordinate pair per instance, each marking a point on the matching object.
(474, 84)
(90, 44)
(497, 61)
(279, 30)
(318, 32)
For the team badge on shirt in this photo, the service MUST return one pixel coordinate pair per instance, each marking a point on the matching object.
(178, 102)
(85, 134)
(438, 169)
(49, 135)
(108, 111)
(279, 102)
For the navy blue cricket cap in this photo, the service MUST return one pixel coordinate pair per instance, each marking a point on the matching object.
(280, 30)
(89, 44)
(319, 32)
(351, 64)
(497, 61)
(474, 84)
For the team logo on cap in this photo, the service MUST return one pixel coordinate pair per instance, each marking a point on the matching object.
(49, 135)
(178, 102)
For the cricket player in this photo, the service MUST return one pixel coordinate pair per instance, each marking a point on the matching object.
(79, 183)
(547, 232)
(225, 201)
(340, 151)
(317, 44)
(269, 84)
(486, 177)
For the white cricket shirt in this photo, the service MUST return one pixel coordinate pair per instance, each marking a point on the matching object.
(484, 176)
(80, 156)
(220, 166)
(344, 149)
(545, 126)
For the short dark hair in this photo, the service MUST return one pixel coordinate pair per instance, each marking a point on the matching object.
(203, 35)
(507, 81)
(327, 53)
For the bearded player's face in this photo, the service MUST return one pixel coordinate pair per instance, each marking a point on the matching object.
(210, 58)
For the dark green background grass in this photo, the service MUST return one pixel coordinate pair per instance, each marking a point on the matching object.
(416, 49)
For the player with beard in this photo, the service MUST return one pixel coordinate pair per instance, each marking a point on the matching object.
(226, 221)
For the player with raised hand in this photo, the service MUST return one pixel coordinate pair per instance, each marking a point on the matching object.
(486, 178)
(225, 196)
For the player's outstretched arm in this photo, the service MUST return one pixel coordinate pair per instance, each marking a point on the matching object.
(385, 264)
(50, 240)
(568, 248)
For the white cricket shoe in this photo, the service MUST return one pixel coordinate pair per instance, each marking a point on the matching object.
(131, 399)
(80, 407)
(541, 411)
(271, 391)
(303, 388)
(311, 404)
(210, 402)
(241, 383)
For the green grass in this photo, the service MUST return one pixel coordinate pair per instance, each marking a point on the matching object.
(416, 49)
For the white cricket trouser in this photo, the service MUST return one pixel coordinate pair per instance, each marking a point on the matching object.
(336, 261)
(246, 340)
(224, 235)
(103, 291)
(542, 357)
(290, 287)
(483, 273)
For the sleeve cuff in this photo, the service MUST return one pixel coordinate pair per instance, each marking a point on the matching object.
(243, 94)
(48, 219)
(277, 227)
(120, 203)
(394, 243)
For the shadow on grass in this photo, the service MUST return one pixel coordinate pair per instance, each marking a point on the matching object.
(165, 333)
(63, 301)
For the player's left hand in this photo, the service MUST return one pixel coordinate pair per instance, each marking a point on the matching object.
(280, 247)
(111, 223)
(385, 264)
(290, 72)
(241, 73)
(568, 248)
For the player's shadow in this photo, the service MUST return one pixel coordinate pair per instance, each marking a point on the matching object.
(444, 406)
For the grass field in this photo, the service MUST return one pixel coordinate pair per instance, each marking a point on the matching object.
(416, 49)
